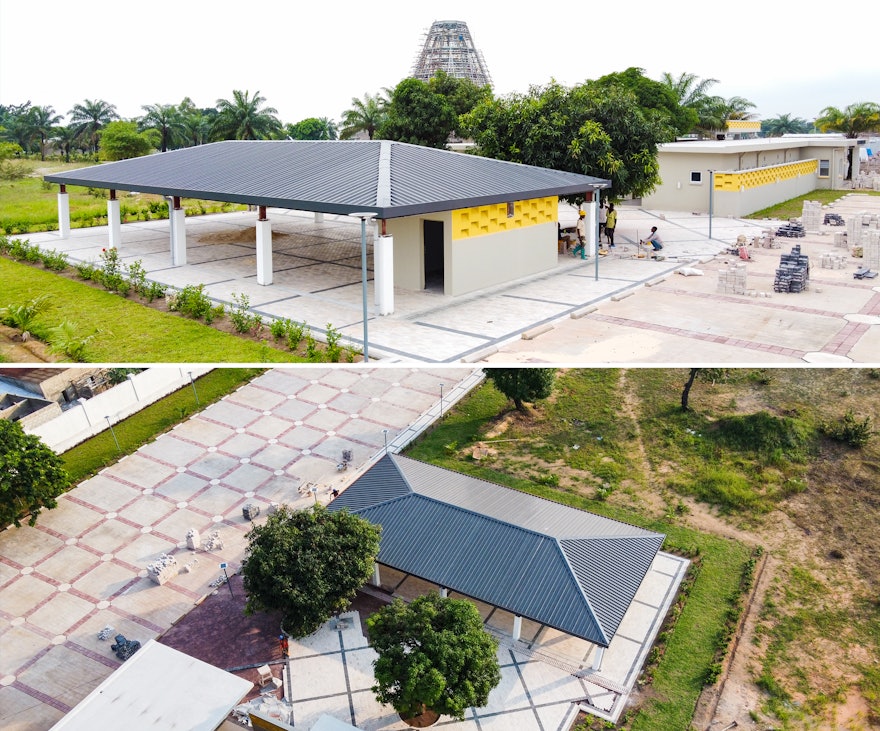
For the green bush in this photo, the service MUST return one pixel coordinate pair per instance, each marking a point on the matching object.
(193, 301)
(334, 350)
(54, 260)
(295, 332)
(849, 429)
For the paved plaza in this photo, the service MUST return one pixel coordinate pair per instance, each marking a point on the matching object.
(83, 566)
(636, 311)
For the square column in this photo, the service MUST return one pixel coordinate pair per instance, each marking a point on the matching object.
(383, 273)
(517, 628)
(591, 206)
(178, 234)
(114, 223)
(375, 581)
(264, 249)
(319, 217)
(63, 214)
(597, 659)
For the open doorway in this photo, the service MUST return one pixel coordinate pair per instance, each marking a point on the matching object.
(434, 272)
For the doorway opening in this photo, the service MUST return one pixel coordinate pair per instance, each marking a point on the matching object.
(434, 271)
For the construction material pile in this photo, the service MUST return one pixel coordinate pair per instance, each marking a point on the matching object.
(793, 274)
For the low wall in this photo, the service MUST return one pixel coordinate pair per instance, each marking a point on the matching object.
(78, 423)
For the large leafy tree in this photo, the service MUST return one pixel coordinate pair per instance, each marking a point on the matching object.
(523, 385)
(784, 124)
(166, 120)
(245, 118)
(308, 564)
(31, 475)
(365, 115)
(121, 141)
(66, 139)
(90, 117)
(462, 94)
(418, 115)
(591, 130)
(313, 128)
(433, 654)
(653, 97)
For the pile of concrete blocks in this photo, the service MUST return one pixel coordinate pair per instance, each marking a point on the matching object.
(871, 249)
(812, 216)
(840, 240)
(163, 569)
(732, 279)
(832, 260)
(860, 225)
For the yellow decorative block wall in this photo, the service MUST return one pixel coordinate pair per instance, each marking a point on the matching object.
(743, 125)
(483, 220)
(764, 176)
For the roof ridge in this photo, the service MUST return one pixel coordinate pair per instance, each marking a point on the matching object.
(574, 577)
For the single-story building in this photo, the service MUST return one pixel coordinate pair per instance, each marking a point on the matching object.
(738, 177)
(537, 559)
(446, 220)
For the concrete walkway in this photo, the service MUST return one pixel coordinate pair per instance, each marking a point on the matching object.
(668, 320)
(83, 566)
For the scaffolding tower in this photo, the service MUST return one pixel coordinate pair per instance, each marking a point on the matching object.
(448, 47)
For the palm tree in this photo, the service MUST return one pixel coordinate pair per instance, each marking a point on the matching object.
(853, 121)
(165, 119)
(366, 115)
(66, 139)
(90, 117)
(784, 124)
(195, 123)
(689, 89)
(244, 119)
(738, 108)
(42, 121)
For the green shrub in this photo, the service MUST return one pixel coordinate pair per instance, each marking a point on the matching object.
(67, 339)
(54, 260)
(86, 270)
(849, 429)
(243, 320)
(295, 332)
(334, 350)
(278, 328)
(22, 316)
(313, 353)
(192, 301)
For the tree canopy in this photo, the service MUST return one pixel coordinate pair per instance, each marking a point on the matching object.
(523, 384)
(121, 140)
(308, 564)
(313, 128)
(852, 120)
(365, 115)
(418, 115)
(245, 118)
(592, 130)
(31, 475)
(433, 654)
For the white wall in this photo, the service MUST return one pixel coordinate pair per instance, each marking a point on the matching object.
(79, 423)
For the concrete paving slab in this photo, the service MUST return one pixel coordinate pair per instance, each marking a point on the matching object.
(60, 612)
(24, 548)
(23, 712)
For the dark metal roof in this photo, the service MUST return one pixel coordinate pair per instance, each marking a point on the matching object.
(390, 179)
(563, 567)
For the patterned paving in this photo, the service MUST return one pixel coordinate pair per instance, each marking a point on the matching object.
(84, 565)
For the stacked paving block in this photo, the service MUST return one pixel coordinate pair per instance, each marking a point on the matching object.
(163, 569)
(812, 216)
(791, 230)
(840, 240)
(732, 279)
(871, 249)
(832, 260)
(793, 274)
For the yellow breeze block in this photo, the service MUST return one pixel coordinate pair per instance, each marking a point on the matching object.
(468, 223)
(757, 177)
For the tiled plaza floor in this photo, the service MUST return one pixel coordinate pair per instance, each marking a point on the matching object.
(83, 567)
(668, 319)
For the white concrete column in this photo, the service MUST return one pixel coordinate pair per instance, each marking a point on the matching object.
(319, 217)
(383, 273)
(376, 580)
(114, 223)
(597, 659)
(178, 235)
(444, 592)
(264, 248)
(517, 628)
(63, 214)
(593, 225)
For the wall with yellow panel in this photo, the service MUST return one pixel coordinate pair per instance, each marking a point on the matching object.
(469, 223)
(755, 178)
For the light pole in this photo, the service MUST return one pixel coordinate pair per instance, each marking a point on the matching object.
(711, 200)
(364, 216)
(385, 434)
(192, 381)
(441, 400)
(118, 448)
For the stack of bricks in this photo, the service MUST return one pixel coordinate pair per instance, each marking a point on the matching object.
(840, 240)
(871, 249)
(732, 279)
(793, 274)
(831, 260)
(859, 225)
(812, 216)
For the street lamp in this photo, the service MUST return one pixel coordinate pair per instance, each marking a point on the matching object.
(441, 400)
(364, 216)
(118, 448)
(192, 381)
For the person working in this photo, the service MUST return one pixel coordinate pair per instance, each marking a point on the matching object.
(610, 223)
(653, 239)
(582, 236)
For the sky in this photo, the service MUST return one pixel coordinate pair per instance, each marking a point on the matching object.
(311, 59)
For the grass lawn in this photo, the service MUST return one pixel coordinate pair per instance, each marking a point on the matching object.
(93, 455)
(795, 207)
(542, 445)
(121, 331)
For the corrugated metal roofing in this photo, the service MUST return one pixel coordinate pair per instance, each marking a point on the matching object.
(569, 569)
(391, 179)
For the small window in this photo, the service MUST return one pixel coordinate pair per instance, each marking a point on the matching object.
(824, 168)
(696, 177)
(511, 209)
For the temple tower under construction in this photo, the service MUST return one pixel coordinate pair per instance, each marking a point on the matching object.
(448, 46)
